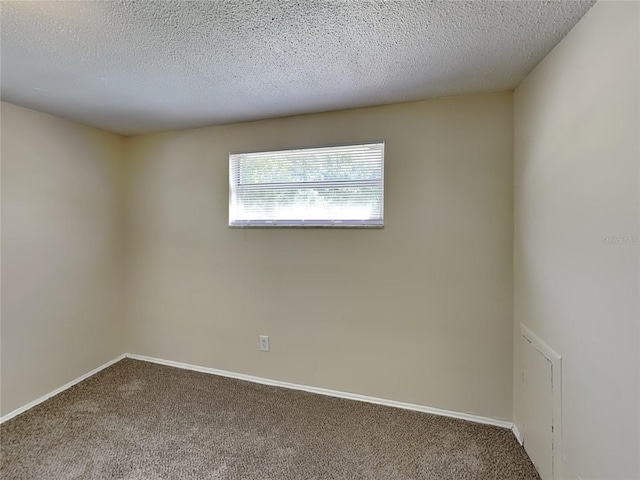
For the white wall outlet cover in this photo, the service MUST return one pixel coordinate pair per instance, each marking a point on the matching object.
(264, 343)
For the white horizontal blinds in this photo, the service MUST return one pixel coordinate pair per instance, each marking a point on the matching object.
(341, 185)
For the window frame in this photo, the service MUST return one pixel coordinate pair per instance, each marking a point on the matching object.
(347, 224)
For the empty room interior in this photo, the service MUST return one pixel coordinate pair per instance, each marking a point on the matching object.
(323, 239)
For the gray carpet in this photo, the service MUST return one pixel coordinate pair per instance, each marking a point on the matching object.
(136, 420)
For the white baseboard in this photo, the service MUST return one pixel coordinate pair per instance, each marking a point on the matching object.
(517, 434)
(277, 383)
(331, 393)
(47, 396)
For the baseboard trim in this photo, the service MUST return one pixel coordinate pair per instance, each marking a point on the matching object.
(275, 383)
(47, 396)
(331, 393)
(517, 434)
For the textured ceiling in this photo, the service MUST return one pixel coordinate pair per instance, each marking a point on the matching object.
(142, 66)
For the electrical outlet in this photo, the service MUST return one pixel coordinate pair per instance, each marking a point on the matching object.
(264, 343)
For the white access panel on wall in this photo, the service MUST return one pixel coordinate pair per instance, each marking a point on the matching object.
(542, 404)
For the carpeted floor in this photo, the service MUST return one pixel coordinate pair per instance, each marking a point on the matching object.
(137, 420)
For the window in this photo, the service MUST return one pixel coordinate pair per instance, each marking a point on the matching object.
(339, 186)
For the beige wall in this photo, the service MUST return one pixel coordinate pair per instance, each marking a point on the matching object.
(61, 252)
(576, 185)
(420, 311)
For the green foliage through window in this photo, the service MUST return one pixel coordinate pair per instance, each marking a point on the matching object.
(326, 186)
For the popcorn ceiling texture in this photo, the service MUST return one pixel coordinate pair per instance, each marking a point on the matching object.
(141, 66)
